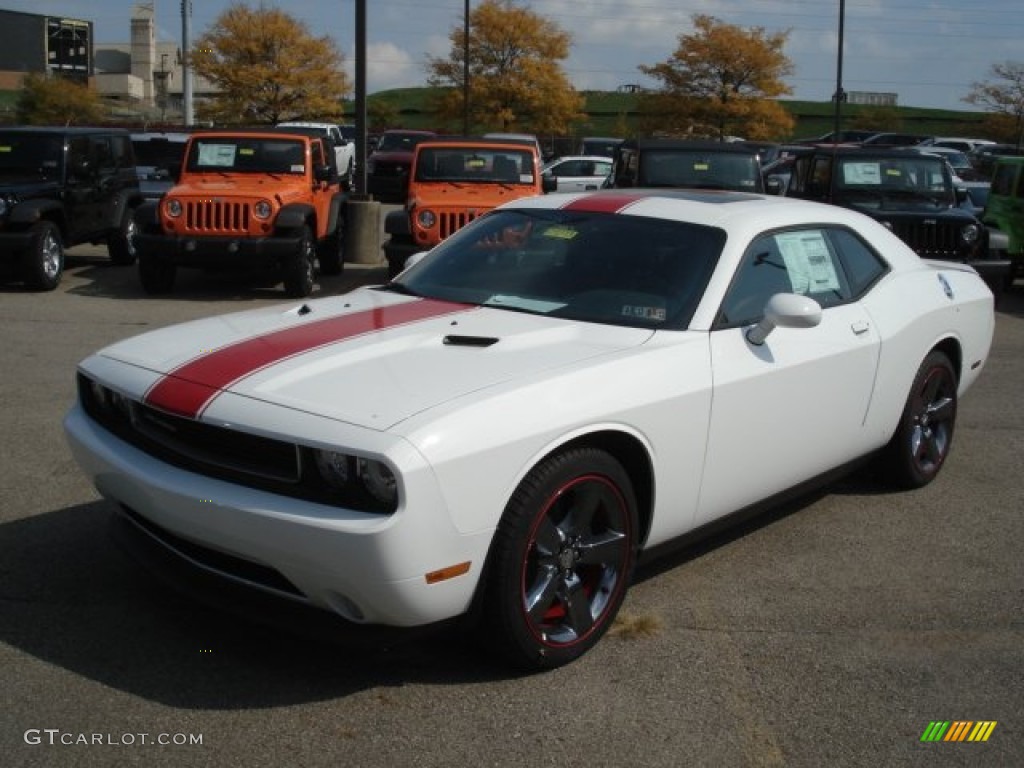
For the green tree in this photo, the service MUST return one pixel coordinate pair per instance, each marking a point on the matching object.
(516, 80)
(722, 80)
(46, 100)
(1004, 99)
(267, 67)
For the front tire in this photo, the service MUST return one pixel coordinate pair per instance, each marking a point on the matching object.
(924, 436)
(561, 560)
(43, 261)
(121, 244)
(298, 268)
(331, 254)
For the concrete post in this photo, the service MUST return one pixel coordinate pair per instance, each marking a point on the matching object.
(362, 231)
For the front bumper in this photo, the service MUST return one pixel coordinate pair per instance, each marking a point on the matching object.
(209, 251)
(367, 568)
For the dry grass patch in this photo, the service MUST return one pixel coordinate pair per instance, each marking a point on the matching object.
(633, 626)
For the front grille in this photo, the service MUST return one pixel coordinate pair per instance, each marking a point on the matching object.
(203, 216)
(241, 458)
(450, 222)
(930, 238)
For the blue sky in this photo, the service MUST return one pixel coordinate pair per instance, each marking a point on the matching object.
(927, 52)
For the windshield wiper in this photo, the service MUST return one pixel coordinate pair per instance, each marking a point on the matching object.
(400, 288)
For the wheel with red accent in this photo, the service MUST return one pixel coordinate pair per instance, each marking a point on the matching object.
(924, 435)
(562, 559)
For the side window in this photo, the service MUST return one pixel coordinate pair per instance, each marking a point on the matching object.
(121, 150)
(81, 164)
(794, 261)
(101, 154)
(863, 266)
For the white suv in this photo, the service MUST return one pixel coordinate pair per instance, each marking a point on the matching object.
(344, 149)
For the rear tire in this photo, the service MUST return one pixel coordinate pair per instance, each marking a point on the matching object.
(561, 560)
(299, 269)
(924, 436)
(42, 264)
(331, 254)
(121, 244)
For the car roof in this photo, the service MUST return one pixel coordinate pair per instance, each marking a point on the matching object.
(478, 141)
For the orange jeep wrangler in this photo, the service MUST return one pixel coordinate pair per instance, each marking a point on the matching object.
(454, 180)
(246, 199)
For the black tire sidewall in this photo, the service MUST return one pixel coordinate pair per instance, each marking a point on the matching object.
(503, 621)
(119, 246)
(298, 268)
(32, 262)
(901, 466)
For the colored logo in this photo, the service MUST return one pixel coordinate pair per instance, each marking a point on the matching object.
(958, 730)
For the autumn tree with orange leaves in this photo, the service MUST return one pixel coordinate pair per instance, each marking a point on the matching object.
(516, 82)
(722, 80)
(267, 67)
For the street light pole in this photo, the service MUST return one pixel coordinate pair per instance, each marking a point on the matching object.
(465, 70)
(840, 96)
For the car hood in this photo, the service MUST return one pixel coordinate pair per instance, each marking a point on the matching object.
(371, 358)
(282, 186)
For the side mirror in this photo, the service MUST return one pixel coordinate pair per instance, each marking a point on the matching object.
(548, 183)
(785, 310)
(773, 185)
(324, 173)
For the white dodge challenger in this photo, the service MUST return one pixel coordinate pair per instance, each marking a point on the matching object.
(565, 384)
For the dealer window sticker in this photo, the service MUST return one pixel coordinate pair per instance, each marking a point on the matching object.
(862, 173)
(640, 312)
(218, 155)
(808, 261)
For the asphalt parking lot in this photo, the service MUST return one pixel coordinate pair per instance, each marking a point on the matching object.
(829, 632)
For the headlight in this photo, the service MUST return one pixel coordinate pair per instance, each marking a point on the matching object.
(426, 219)
(173, 208)
(969, 234)
(379, 480)
(263, 209)
(333, 468)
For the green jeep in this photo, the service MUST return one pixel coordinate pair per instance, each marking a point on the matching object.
(1004, 209)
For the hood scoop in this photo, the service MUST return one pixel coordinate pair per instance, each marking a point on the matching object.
(456, 340)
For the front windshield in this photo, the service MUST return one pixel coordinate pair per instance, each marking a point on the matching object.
(910, 183)
(693, 169)
(594, 267)
(228, 154)
(474, 164)
(30, 155)
(400, 142)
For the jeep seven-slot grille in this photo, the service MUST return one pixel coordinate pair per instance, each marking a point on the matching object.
(452, 221)
(930, 238)
(216, 216)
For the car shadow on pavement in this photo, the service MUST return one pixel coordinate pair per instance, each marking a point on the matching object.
(70, 597)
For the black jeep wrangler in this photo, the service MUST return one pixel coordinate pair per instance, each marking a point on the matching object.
(687, 164)
(60, 187)
(910, 193)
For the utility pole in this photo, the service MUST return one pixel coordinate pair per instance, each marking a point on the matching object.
(186, 61)
(840, 94)
(465, 70)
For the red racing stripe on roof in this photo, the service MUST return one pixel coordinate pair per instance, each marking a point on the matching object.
(604, 202)
(189, 388)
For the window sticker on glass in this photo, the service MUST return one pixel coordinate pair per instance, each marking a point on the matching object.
(862, 173)
(221, 155)
(808, 262)
(656, 314)
(560, 233)
(701, 167)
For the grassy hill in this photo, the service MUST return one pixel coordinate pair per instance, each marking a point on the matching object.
(612, 113)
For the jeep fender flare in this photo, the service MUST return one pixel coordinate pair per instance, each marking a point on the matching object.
(293, 216)
(336, 213)
(147, 215)
(29, 212)
(124, 202)
(397, 223)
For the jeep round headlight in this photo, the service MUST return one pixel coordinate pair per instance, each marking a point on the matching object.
(173, 208)
(263, 209)
(426, 219)
(378, 480)
(969, 234)
(333, 468)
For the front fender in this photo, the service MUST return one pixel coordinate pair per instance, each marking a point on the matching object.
(29, 212)
(397, 223)
(293, 216)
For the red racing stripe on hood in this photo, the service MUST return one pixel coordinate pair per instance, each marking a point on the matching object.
(189, 388)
